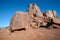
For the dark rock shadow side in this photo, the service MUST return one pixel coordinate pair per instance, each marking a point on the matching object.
(18, 30)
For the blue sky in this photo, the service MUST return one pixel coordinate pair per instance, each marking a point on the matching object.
(9, 7)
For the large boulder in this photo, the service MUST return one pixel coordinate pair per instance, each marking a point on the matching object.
(33, 10)
(20, 20)
(33, 18)
(50, 13)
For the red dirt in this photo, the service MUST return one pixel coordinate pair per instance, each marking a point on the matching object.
(31, 34)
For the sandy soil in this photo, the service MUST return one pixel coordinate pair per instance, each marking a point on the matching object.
(31, 34)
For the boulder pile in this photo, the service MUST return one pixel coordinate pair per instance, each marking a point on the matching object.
(34, 18)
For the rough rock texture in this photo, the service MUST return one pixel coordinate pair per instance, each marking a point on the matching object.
(56, 20)
(20, 20)
(33, 9)
(50, 13)
(32, 25)
(34, 18)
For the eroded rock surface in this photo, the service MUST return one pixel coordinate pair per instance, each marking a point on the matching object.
(32, 25)
(34, 18)
(20, 20)
(50, 13)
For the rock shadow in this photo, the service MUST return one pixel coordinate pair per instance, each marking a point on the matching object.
(18, 29)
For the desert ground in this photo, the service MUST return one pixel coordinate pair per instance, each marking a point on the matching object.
(30, 34)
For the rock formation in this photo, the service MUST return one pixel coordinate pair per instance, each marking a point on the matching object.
(34, 10)
(19, 20)
(32, 25)
(50, 13)
(34, 18)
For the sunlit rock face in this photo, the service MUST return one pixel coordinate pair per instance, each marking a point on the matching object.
(34, 18)
(50, 13)
(33, 9)
(20, 20)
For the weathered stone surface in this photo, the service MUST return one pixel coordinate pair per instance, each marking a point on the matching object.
(54, 26)
(20, 20)
(34, 18)
(34, 13)
(56, 20)
(39, 21)
(50, 13)
(33, 10)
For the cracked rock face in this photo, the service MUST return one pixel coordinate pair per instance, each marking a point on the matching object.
(20, 20)
(50, 13)
(34, 18)
(34, 9)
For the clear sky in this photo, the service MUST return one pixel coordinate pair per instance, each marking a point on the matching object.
(9, 7)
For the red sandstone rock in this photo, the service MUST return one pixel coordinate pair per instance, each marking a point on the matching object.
(33, 18)
(20, 20)
(50, 13)
(56, 20)
(34, 9)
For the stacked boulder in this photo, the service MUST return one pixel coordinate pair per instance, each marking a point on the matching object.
(34, 18)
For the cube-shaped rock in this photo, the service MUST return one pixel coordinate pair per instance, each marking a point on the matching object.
(20, 20)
